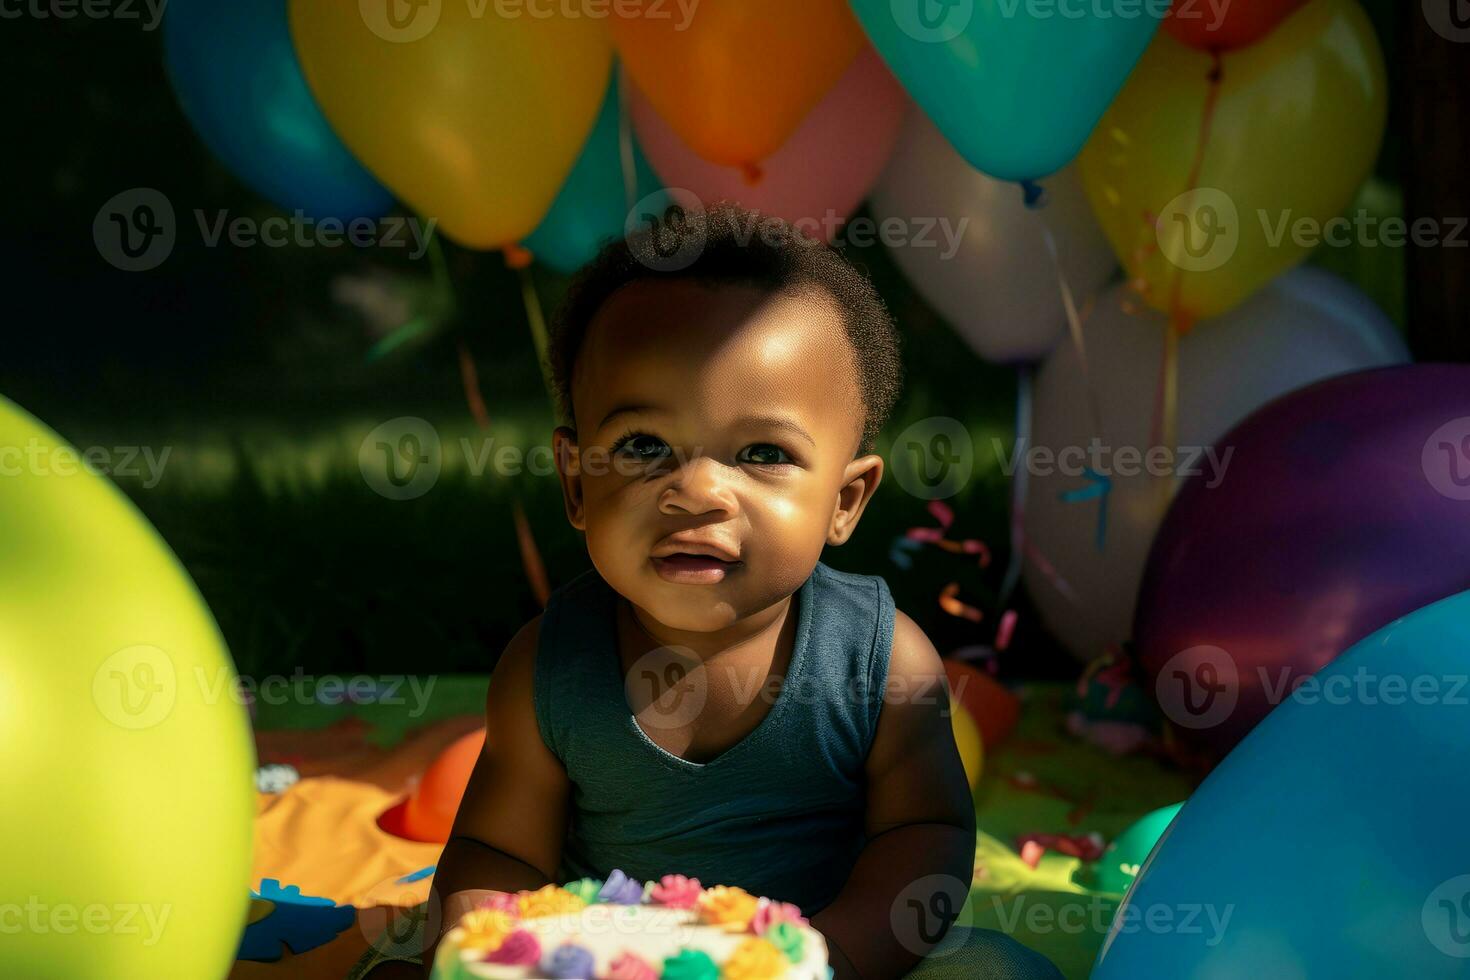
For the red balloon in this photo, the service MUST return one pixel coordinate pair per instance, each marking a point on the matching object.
(1211, 26)
(429, 813)
(995, 709)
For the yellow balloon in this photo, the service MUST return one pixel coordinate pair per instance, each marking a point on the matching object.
(472, 114)
(127, 753)
(1296, 130)
(738, 78)
(967, 738)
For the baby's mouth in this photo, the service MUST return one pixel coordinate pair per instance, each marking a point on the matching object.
(693, 569)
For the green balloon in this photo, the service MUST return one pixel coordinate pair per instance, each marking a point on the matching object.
(1119, 864)
(126, 750)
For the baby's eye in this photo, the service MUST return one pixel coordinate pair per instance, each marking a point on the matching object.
(765, 454)
(641, 447)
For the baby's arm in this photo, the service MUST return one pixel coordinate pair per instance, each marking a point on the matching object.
(509, 830)
(914, 873)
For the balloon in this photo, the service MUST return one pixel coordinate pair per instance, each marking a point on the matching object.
(429, 813)
(592, 206)
(1015, 88)
(475, 121)
(1306, 326)
(1116, 870)
(1236, 24)
(235, 74)
(993, 708)
(1333, 837)
(736, 80)
(968, 740)
(820, 175)
(997, 284)
(1345, 505)
(1296, 130)
(128, 760)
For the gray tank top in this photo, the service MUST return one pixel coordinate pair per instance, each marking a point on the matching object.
(780, 813)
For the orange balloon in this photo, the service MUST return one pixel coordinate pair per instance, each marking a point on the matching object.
(736, 79)
(995, 709)
(429, 813)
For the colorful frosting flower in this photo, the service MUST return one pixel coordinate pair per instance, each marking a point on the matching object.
(520, 948)
(690, 964)
(585, 888)
(676, 891)
(728, 906)
(755, 959)
(627, 966)
(503, 901)
(485, 929)
(769, 913)
(570, 962)
(621, 890)
(789, 939)
(549, 900)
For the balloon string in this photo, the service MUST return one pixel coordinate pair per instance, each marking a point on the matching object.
(1180, 320)
(625, 144)
(537, 319)
(1075, 318)
(1020, 482)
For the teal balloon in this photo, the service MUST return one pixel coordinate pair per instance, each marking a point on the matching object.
(1116, 870)
(592, 207)
(1015, 85)
(233, 67)
(1331, 841)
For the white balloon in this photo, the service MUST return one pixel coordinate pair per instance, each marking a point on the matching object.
(985, 265)
(1306, 326)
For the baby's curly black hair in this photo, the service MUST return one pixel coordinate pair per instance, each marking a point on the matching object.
(728, 244)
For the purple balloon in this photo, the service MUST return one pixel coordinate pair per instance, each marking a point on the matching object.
(1344, 506)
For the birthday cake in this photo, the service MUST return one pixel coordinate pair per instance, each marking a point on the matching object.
(623, 929)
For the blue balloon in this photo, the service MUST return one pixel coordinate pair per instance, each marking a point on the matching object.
(1015, 85)
(1331, 842)
(234, 70)
(592, 206)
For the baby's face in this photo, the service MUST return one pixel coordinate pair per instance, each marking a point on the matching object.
(720, 414)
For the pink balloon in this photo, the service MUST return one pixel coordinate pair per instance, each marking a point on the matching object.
(820, 175)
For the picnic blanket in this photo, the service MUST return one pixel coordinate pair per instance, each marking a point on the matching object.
(329, 879)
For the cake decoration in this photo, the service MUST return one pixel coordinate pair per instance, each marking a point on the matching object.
(690, 964)
(628, 966)
(676, 891)
(570, 962)
(755, 959)
(549, 900)
(621, 890)
(619, 928)
(520, 948)
(729, 906)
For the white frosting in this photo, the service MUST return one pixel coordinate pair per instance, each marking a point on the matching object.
(650, 932)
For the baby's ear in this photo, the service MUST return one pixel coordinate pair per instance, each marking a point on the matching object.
(859, 482)
(569, 471)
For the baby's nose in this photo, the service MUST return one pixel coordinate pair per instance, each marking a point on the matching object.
(699, 486)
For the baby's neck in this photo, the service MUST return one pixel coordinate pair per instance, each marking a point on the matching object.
(753, 629)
